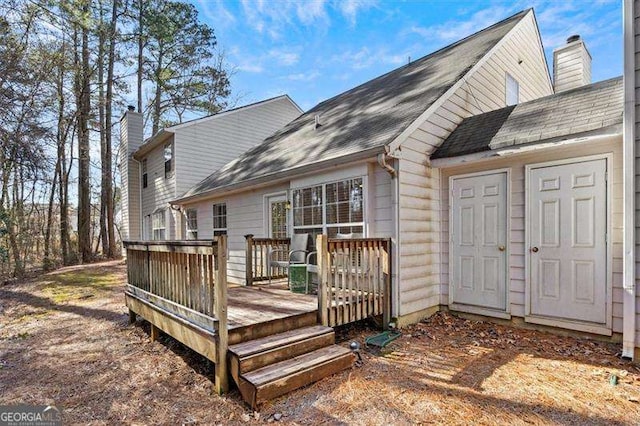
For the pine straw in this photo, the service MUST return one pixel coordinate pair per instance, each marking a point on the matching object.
(68, 343)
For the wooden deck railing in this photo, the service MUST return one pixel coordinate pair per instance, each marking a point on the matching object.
(188, 280)
(257, 257)
(354, 279)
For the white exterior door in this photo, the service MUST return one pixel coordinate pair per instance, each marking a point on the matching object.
(479, 239)
(568, 247)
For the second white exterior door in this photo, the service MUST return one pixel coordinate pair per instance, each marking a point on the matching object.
(568, 246)
(479, 240)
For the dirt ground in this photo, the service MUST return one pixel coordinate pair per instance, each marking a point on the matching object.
(64, 340)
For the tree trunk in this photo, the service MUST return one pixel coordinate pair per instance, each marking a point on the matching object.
(140, 51)
(103, 135)
(47, 262)
(108, 171)
(157, 101)
(84, 109)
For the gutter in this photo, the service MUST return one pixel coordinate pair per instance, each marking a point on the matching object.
(519, 149)
(629, 173)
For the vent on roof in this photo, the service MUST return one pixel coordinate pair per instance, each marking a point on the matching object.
(317, 122)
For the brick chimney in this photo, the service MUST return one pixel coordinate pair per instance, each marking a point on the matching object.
(131, 137)
(571, 65)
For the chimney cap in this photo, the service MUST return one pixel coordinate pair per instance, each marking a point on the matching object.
(131, 108)
(573, 38)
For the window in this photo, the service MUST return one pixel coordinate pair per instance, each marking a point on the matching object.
(334, 208)
(158, 225)
(512, 90)
(144, 173)
(191, 216)
(146, 227)
(168, 158)
(219, 219)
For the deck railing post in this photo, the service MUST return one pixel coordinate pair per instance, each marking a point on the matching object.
(322, 248)
(220, 299)
(249, 259)
(386, 314)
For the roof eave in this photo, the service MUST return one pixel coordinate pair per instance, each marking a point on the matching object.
(561, 141)
(153, 142)
(279, 177)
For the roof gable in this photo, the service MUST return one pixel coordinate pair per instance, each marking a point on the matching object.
(365, 118)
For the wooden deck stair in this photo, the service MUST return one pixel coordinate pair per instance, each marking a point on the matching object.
(274, 365)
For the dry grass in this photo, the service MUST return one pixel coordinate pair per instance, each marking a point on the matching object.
(64, 339)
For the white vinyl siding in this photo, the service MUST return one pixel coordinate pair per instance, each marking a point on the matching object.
(160, 190)
(419, 199)
(207, 145)
(572, 67)
(131, 129)
(516, 240)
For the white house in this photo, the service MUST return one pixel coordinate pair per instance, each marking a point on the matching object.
(502, 190)
(156, 171)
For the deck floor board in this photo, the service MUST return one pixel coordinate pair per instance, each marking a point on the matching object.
(258, 304)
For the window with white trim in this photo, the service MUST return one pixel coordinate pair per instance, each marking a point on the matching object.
(512, 90)
(145, 176)
(168, 160)
(332, 208)
(191, 222)
(158, 225)
(146, 227)
(220, 219)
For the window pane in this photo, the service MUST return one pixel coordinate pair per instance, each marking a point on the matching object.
(298, 215)
(332, 192)
(332, 213)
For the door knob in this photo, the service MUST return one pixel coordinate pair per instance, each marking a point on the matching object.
(534, 249)
(501, 248)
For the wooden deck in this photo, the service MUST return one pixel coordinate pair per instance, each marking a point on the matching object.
(268, 338)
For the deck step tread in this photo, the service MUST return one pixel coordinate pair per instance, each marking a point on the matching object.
(274, 341)
(280, 370)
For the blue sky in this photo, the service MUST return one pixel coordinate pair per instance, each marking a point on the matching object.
(315, 49)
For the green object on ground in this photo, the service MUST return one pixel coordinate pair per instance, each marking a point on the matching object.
(383, 339)
(298, 278)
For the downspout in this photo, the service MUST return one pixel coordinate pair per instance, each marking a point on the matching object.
(384, 161)
(629, 284)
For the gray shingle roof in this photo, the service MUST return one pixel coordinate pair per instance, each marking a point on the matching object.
(588, 109)
(363, 119)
